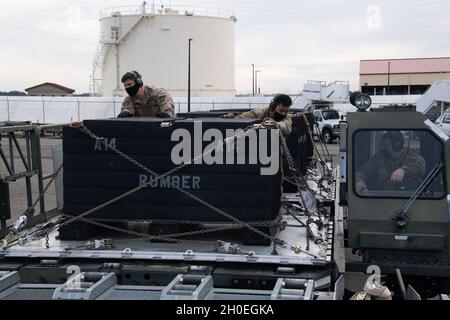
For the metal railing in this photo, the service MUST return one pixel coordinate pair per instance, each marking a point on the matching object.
(30, 156)
(45, 110)
(317, 82)
(168, 10)
(341, 82)
(182, 106)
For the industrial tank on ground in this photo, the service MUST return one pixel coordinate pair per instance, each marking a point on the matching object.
(155, 41)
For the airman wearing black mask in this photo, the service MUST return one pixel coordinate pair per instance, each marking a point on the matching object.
(392, 164)
(145, 101)
(276, 113)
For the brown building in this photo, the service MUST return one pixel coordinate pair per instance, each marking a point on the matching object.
(49, 89)
(402, 76)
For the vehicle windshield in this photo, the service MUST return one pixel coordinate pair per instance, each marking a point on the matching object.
(331, 115)
(392, 164)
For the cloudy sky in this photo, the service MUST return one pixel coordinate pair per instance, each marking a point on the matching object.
(291, 41)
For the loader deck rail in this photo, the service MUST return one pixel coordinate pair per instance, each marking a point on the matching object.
(26, 166)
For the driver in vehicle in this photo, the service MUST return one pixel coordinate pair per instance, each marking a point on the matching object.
(392, 165)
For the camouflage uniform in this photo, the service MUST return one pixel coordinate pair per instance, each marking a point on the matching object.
(156, 101)
(378, 169)
(284, 125)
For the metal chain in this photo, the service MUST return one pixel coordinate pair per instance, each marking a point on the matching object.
(30, 210)
(158, 177)
(308, 129)
(315, 150)
(327, 171)
(39, 233)
(319, 183)
(304, 225)
(293, 168)
(264, 223)
(53, 177)
(304, 180)
(168, 237)
(144, 236)
(322, 143)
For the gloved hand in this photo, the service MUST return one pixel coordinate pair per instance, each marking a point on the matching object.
(230, 115)
(162, 115)
(269, 122)
(125, 114)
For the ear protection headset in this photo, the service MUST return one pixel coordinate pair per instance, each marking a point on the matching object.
(277, 99)
(273, 104)
(397, 139)
(137, 78)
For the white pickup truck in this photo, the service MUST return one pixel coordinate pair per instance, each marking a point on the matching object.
(443, 122)
(327, 124)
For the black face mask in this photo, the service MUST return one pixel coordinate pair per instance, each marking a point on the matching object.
(278, 116)
(132, 91)
(386, 154)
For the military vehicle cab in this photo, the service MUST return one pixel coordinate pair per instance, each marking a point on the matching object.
(394, 177)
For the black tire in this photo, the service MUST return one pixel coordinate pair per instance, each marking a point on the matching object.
(327, 136)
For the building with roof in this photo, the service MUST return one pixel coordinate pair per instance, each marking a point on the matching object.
(49, 89)
(402, 76)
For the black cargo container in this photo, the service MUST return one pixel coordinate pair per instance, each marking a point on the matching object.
(94, 173)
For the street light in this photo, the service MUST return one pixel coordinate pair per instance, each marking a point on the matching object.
(253, 79)
(189, 75)
(389, 78)
(256, 80)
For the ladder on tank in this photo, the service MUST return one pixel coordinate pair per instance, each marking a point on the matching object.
(102, 52)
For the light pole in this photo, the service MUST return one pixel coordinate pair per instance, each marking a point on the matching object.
(389, 78)
(256, 80)
(189, 76)
(253, 79)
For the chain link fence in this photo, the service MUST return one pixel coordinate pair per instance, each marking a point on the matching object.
(67, 109)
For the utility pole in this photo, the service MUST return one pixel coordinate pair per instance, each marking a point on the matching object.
(253, 79)
(189, 75)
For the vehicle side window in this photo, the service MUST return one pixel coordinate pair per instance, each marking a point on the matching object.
(317, 115)
(393, 163)
(446, 119)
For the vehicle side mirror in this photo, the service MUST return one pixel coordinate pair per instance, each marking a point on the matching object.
(342, 117)
(318, 119)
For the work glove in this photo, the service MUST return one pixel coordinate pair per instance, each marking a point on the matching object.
(125, 114)
(269, 122)
(230, 115)
(162, 115)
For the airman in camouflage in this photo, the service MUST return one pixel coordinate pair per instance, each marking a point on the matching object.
(275, 113)
(393, 164)
(145, 101)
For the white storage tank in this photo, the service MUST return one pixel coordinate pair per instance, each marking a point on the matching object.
(154, 41)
